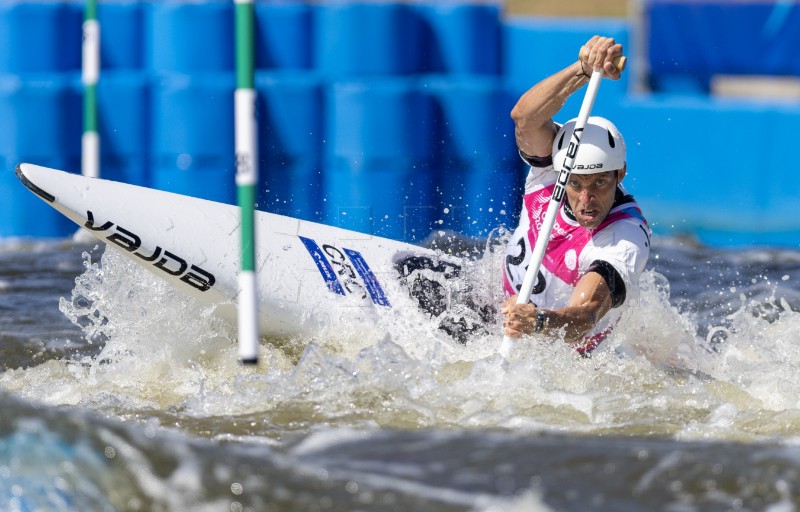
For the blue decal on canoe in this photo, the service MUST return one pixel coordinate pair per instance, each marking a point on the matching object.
(323, 265)
(373, 286)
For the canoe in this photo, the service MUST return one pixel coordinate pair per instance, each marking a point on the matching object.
(310, 275)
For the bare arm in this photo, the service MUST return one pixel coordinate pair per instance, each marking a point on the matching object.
(533, 113)
(589, 302)
(533, 124)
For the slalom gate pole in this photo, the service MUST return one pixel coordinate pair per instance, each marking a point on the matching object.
(559, 192)
(246, 179)
(90, 75)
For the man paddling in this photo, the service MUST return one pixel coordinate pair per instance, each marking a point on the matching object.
(600, 240)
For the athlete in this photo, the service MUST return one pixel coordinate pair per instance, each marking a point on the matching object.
(600, 241)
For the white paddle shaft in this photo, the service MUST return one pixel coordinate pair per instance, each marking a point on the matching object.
(555, 200)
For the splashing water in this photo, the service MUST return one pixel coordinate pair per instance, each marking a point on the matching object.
(156, 353)
(691, 404)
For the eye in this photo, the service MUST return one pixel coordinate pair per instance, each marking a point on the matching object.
(601, 182)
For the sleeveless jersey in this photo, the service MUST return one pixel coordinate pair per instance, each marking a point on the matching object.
(622, 240)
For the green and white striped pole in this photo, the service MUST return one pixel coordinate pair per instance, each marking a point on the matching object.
(90, 74)
(246, 179)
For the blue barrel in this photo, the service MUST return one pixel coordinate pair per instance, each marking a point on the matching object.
(23, 214)
(121, 34)
(481, 177)
(189, 37)
(460, 38)
(290, 111)
(366, 39)
(378, 177)
(284, 36)
(35, 118)
(39, 37)
(123, 105)
(193, 135)
(712, 37)
(535, 48)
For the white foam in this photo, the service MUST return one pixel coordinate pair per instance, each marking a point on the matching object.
(653, 376)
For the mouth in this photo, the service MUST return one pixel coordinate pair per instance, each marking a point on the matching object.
(587, 215)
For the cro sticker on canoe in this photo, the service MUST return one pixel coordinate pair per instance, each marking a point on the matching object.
(341, 270)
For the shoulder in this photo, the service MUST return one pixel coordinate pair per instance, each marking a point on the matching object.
(536, 161)
(541, 170)
(626, 230)
(625, 244)
(540, 173)
(625, 223)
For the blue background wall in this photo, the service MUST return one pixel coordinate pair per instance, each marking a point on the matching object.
(393, 118)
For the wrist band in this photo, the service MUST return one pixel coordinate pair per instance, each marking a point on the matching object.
(541, 318)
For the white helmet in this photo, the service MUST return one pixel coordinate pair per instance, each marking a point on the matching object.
(602, 147)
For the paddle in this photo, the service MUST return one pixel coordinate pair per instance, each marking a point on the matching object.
(558, 195)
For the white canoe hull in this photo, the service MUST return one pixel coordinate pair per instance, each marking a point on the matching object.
(309, 275)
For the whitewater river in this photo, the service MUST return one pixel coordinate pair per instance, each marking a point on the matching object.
(118, 394)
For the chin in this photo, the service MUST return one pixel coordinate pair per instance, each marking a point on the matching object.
(590, 225)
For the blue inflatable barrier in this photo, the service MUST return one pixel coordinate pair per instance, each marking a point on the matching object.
(290, 112)
(475, 115)
(460, 38)
(190, 37)
(711, 41)
(381, 197)
(123, 104)
(192, 136)
(779, 133)
(121, 32)
(378, 178)
(537, 47)
(713, 183)
(480, 175)
(393, 117)
(378, 118)
(39, 37)
(22, 214)
(366, 39)
(35, 116)
(479, 195)
(284, 36)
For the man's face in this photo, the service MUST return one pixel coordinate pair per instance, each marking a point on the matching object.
(591, 196)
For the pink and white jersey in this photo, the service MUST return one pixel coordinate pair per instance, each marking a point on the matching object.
(622, 240)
